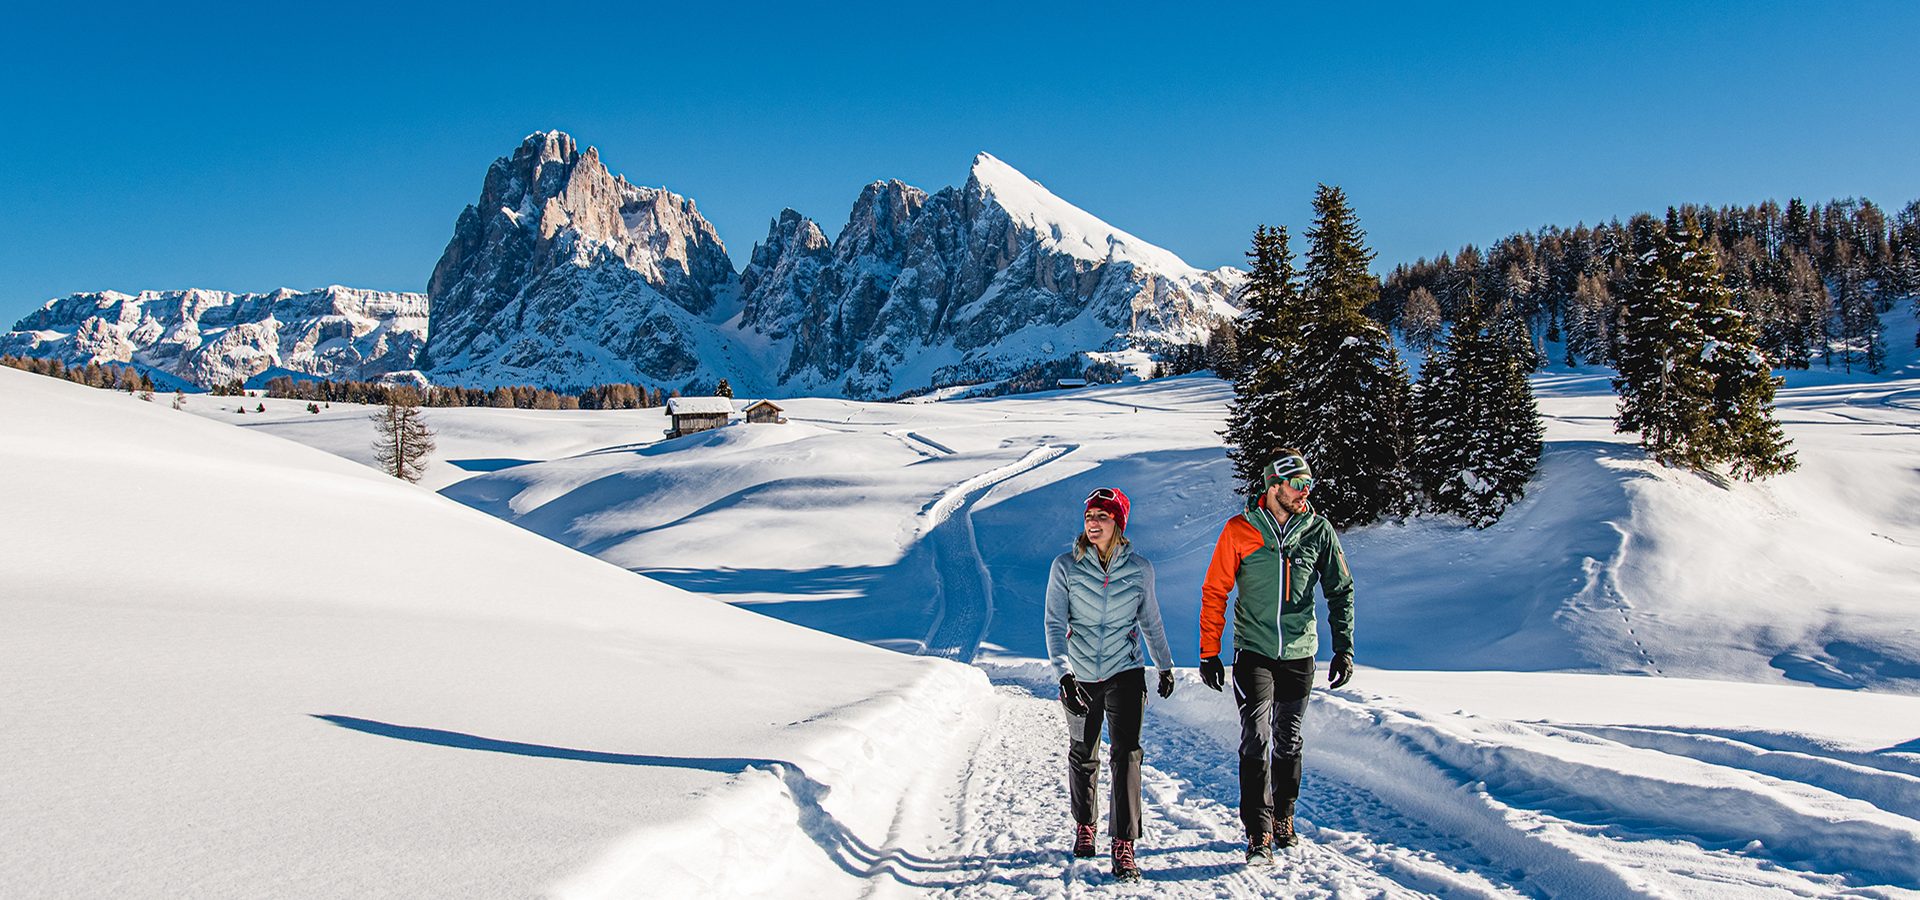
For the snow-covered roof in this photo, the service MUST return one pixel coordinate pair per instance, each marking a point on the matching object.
(766, 403)
(699, 406)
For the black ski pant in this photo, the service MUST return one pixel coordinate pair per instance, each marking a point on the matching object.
(1272, 696)
(1122, 702)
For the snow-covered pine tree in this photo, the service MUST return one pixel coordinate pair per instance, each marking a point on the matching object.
(1476, 427)
(1742, 428)
(1439, 409)
(404, 440)
(723, 389)
(1353, 389)
(1663, 385)
(1266, 337)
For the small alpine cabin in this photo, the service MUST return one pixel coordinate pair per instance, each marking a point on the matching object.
(696, 414)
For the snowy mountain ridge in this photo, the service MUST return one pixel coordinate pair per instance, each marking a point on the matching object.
(205, 338)
(565, 274)
(552, 277)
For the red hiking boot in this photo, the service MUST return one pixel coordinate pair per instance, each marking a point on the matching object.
(1083, 841)
(1124, 868)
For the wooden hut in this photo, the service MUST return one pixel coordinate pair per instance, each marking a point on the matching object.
(694, 414)
(765, 412)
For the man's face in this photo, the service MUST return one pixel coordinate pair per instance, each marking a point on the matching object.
(1289, 498)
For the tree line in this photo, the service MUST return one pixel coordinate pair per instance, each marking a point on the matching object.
(1314, 367)
(1810, 279)
(99, 375)
(603, 396)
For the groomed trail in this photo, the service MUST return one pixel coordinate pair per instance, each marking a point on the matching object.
(1400, 801)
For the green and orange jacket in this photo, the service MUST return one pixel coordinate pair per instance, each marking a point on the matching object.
(1275, 567)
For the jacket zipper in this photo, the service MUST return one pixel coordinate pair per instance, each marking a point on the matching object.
(1286, 583)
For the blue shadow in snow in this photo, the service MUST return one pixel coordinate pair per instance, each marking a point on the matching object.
(854, 580)
(487, 465)
(418, 735)
(848, 850)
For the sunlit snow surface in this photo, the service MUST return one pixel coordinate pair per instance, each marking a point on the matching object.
(1640, 683)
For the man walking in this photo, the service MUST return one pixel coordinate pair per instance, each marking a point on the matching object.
(1274, 553)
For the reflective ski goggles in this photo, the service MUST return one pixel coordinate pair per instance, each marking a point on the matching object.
(1102, 494)
(1300, 483)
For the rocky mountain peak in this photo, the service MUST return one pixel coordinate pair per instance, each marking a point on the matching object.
(549, 216)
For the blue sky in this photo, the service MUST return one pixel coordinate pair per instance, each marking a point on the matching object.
(247, 147)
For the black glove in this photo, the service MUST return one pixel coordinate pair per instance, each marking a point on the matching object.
(1212, 673)
(1072, 697)
(1166, 683)
(1340, 671)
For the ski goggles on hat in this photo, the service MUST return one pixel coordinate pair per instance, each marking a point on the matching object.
(1102, 494)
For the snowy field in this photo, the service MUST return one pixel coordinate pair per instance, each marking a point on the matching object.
(1640, 683)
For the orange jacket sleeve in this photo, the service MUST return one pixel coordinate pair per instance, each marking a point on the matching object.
(1237, 539)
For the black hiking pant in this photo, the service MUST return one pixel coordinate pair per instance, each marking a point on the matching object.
(1272, 696)
(1122, 702)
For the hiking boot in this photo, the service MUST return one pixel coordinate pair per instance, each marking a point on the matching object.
(1283, 833)
(1124, 868)
(1260, 850)
(1083, 841)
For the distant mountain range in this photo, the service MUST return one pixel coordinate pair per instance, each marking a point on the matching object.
(564, 274)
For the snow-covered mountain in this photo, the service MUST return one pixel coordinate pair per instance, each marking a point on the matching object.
(969, 283)
(214, 337)
(565, 274)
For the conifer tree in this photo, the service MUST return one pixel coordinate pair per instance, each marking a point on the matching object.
(1353, 388)
(1742, 428)
(723, 389)
(1266, 339)
(404, 440)
(1477, 431)
(1692, 380)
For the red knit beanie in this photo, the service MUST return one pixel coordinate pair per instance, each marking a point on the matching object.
(1113, 501)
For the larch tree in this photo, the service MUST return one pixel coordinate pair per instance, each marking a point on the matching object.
(404, 441)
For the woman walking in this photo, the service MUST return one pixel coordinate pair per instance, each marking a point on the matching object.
(1100, 604)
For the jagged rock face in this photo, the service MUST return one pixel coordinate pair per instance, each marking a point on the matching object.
(206, 338)
(564, 274)
(974, 283)
(787, 264)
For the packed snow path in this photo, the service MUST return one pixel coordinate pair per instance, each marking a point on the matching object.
(966, 590)
(1401, 801)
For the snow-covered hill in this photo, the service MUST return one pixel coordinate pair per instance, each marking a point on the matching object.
(1612, 563)
(205, 338)
(1641, 683)
(235, 666)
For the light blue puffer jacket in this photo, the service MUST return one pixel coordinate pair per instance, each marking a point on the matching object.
(1095, 618)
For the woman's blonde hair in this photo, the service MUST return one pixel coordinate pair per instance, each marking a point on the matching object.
(1081, 546)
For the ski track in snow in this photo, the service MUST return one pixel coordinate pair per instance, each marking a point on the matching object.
(1013, 823)
(966, 588)
(1398, 803)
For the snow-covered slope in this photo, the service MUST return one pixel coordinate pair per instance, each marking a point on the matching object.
(1611, 564)
(235, 666)
(925, 527)
(207, 338)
